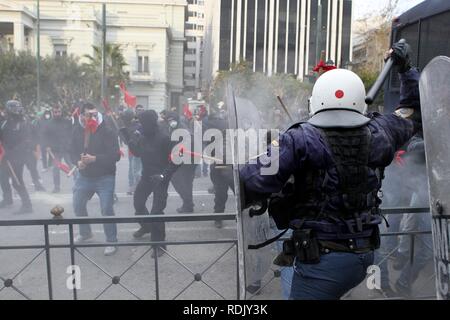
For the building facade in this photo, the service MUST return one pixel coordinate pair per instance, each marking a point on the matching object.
(193, 59)
(151, 34)
(277, 36)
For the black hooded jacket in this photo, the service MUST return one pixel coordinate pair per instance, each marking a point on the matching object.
(152, 144)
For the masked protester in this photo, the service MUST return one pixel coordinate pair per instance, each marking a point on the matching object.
(183, 178)
(16, 138)
(94, 148)
(58, 134)
(152, 144)
(337, 161)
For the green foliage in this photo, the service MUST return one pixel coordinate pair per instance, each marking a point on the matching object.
(115, 63)
(63, 79)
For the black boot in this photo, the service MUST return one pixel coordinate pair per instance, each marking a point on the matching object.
(139, 234)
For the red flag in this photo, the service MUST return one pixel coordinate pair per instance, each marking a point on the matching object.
(130, 100)
(64, 167)
(323, 66)
(186, 112)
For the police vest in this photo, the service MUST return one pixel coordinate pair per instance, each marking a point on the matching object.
(357, 199)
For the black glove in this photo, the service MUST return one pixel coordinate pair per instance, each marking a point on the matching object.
(402, 56)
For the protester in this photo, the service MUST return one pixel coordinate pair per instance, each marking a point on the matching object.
(95, 149)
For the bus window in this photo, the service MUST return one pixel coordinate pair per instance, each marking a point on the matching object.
(411, 34)
(434, 38)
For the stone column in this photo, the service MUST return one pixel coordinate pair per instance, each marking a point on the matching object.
(19, 36)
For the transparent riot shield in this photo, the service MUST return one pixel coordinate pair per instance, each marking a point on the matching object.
(435, 101)
(243, 118)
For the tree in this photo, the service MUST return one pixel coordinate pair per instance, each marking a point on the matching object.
(115, 64)
(63, 80)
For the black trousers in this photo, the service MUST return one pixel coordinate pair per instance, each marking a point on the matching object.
(144, 189)
(183, 182)
(31, 164)
(222, 179)
(5, 174)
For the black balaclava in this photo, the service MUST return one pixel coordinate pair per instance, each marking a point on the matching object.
(149, 122)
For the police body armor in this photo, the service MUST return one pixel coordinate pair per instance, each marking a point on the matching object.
(343, 220)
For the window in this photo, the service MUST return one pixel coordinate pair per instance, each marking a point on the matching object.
(143, 101)
(143, 61)
(60, 50)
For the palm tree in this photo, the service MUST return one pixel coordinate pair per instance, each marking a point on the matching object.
(115, 63)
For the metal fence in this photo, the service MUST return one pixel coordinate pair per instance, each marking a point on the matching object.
(74, 248)
(115, 280)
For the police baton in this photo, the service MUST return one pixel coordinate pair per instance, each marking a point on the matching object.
(13, 173)
(285, 108)
(376, 88)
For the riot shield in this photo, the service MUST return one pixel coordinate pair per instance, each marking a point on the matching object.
(435, 102)
(253, 264)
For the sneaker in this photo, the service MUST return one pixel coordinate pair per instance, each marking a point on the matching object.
(218, 224)
(211, 190)
(24, 210)
(80, 239)
(109, 251)
(160, 252)
(140, 233)
(129, 193)
(5, 204)
(185, 210)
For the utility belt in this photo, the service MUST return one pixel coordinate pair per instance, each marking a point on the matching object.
(307, 246)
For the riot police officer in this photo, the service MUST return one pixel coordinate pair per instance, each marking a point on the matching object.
(337, 160)
(16, 138)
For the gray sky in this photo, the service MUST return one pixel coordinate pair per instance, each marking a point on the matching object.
(363, 7)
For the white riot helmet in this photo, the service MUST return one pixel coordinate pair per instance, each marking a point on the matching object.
(338, 101)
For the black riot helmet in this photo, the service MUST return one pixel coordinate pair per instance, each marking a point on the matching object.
(15, 108)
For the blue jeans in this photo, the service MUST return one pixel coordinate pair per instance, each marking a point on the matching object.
(336, 274)
(83, 191)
